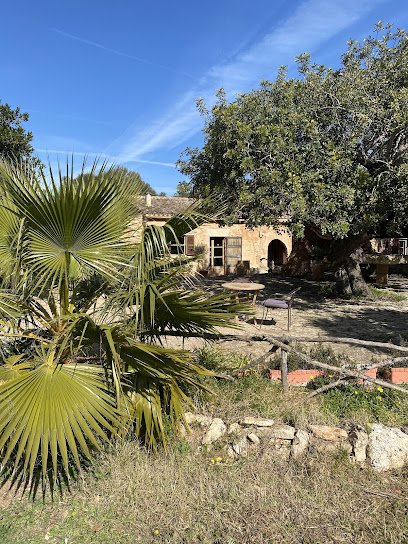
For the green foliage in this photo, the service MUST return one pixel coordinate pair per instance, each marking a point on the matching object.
(15, 141)
(84, 305)
(184, 189)
(130, 176)
(319, 352)
(328, 149)
(347, 401)
(218, 360)
(385, 294)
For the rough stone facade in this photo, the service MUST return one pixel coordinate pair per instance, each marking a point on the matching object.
(255, 244)
(232, 249)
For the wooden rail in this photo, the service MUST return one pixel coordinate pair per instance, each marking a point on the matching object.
(285, 344)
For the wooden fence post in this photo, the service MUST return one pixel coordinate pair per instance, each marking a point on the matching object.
(284, 370)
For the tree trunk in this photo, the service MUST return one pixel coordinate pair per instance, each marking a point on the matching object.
(344, 258)
(342, 282)
(357, 282)
(347, 256)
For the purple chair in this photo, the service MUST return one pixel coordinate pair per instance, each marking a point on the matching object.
(285, 302)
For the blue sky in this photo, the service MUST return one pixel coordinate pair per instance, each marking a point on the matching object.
(120, 79)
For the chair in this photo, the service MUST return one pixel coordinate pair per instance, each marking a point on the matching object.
(285, 302)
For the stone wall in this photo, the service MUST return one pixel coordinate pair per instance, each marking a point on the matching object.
(254, 242)
(382, 448)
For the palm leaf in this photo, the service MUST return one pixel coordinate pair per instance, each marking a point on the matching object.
(197, 312)
(12, 368)
(11, 240)
(52, 412)
(153, 377)
(72, 221)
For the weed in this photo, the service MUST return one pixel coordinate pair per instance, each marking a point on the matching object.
(361, 403)
(218, 360)
(327, 290)
(384, 294)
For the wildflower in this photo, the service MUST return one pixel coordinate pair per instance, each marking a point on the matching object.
(156, 531)
(380, 389)
(212, 461)
(311, 378)
(355, 392)
(218, 459)
(330, 375)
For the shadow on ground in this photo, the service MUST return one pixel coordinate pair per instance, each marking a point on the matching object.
(315, 314)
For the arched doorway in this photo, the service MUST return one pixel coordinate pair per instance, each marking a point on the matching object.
(277, 254)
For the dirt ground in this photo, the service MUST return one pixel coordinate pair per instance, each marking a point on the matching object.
(315, 315)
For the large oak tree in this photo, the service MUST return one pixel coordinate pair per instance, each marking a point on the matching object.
(327, 150)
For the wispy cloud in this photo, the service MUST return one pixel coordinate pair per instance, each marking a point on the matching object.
(104, 156)
(121, 53)
(312, 24)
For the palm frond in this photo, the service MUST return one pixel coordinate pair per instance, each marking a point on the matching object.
(154, 381)
(195, 311)
(11, 241)
(81, 221)
(53, 411)
(12, 368)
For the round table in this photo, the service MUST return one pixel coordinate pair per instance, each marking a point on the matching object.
(244, 287)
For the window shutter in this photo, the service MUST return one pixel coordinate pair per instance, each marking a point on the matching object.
(233, 253)
(189, 245)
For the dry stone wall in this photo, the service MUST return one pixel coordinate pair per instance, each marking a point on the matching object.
(382, 448)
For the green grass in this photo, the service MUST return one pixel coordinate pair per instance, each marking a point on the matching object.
(385, 294)
(255, 395)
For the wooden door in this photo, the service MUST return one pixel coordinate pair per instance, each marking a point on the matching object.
(233, 253)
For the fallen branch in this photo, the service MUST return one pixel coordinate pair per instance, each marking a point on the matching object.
(343, 340)
(341, 381)
(388, 362)
(338, 370)
(291, 339)
(328, 386)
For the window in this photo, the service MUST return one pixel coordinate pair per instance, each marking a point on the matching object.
(187, 247)
(226, 252)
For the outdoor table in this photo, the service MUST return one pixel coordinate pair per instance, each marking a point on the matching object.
(245, 287)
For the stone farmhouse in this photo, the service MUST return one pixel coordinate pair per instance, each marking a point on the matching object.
(228, 249)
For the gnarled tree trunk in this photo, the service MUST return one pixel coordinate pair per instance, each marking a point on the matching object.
(344, 256)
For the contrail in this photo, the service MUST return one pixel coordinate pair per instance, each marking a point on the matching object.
(102, 156)
(121, 53)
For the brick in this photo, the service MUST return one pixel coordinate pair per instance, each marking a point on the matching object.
(399, 375)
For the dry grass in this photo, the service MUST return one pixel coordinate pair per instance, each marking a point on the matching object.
(179, 497)
(184, 499)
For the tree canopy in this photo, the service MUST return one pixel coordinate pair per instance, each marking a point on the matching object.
(15, 141)
(126, 175)
(183, 189)
(327, 149)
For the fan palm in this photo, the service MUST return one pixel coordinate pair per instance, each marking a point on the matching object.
(84, 303)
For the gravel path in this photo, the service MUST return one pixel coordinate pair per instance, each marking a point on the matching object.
(314, 315)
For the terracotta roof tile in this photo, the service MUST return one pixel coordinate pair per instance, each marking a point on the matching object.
(163, 207)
